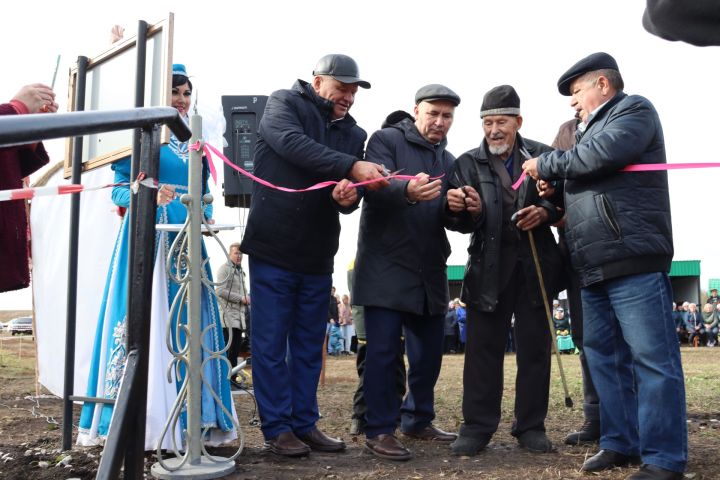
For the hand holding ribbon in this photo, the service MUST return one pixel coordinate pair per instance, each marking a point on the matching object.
(345, 195)
(362, 171)
(209, 150)
(422, 189)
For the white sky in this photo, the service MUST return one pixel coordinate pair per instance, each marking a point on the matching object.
(254, 48)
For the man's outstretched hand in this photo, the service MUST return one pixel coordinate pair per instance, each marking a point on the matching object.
(363, 171)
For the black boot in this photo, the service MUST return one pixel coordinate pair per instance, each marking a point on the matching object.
(588, 433)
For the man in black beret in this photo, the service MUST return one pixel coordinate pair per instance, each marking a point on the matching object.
(401, 272)
(500, 278)
(619, 233)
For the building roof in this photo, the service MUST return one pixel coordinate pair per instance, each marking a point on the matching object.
(679, 268)
(685, 268)
(455, 273)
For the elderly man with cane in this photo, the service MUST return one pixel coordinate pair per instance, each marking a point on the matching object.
(620, 238)
(501, 278)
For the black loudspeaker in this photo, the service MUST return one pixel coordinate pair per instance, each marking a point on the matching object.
(242, 117)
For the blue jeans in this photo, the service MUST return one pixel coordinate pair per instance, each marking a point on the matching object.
(634, 360)
(288, 326)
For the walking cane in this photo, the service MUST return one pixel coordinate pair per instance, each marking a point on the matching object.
(568, 400)
(531, 237)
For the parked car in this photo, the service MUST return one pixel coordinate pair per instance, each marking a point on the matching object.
(20, 325)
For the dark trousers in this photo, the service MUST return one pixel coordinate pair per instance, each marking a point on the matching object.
(359, 405)
(591, 400)
(484, 355)
(423, 343)
(450, 343)
(700, 334)
(682, 334)
(289, 315)
(510, 343)
(234, 350)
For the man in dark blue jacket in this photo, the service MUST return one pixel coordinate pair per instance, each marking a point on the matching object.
(400, 272)
(305, 136)
(620, 238)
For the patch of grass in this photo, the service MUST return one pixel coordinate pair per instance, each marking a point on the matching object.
(13, 366)
(702, 379)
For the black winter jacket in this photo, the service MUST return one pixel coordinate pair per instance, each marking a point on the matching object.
(496, 245)
(618, 223)
(402, 248)
(297, 147)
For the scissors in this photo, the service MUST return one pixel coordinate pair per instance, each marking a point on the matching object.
(387, 173)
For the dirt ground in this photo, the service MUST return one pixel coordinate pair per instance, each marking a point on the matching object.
(30, 430)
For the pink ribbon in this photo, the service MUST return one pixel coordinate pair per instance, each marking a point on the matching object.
(32, 192)
(648, 167)
(209, 150)
(211, 165)
(644, 167)
(517, 184)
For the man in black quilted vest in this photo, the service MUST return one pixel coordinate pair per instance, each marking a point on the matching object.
(620, 238)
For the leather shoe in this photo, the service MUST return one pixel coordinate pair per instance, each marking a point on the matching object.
(431, 432)
(653, 472)
(607, 459)
(287, 445)
(387, 446)
(317, 440)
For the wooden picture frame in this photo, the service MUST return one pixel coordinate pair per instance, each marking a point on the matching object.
(110, 85)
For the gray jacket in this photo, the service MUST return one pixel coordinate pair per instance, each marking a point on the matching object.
(231, 294)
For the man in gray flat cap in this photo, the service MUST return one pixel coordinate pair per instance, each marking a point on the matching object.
(306, 135)
(619, 233)
(501, 280)
(401, 273)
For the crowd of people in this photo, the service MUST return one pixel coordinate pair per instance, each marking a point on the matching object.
(613, 257)
(341, 338)
(698, 326)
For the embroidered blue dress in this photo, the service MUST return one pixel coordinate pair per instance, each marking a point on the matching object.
(109, 354)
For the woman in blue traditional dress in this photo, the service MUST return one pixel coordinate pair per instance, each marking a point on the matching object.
(109, 352)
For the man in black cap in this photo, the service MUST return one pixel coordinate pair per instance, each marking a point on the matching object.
(401, 272)
(306, 135)
(619, 233)
(501, 279)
